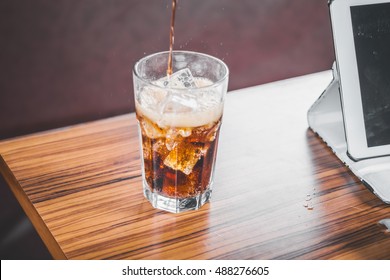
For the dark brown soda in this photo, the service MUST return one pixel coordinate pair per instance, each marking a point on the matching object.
(171, 37)
(177, 166)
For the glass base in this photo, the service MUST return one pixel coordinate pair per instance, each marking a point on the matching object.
(176, 205)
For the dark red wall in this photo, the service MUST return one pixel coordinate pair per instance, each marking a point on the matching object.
(69, 61)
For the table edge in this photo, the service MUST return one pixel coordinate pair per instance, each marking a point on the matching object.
(31, 212)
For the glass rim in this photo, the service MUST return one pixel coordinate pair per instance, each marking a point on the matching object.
(214, 84)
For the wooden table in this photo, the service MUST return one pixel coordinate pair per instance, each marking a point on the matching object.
(81, 188)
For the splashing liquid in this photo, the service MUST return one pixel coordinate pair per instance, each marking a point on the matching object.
(171, 37)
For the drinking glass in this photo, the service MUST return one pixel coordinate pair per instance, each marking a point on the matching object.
(179, 119)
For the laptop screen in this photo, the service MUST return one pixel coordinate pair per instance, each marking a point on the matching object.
(371, 31)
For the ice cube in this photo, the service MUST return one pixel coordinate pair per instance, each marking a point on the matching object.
(184, 157)
(174, 101)
(174, 135)
(171, 138)
(213, 132)
(179, 103)
(158, 146)
(150, 129)
(151, 97)
(185, 78)
(146, 147)
(180, 79)
(205, 133)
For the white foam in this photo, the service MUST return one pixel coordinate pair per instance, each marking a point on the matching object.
(207, 111)
(191, 119)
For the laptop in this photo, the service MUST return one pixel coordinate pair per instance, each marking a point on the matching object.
(352, 115)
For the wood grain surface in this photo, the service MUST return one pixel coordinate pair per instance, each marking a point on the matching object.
(279, 192)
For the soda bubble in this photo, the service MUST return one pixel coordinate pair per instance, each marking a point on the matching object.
(185, 132)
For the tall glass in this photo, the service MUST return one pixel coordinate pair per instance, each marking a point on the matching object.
(179, 118)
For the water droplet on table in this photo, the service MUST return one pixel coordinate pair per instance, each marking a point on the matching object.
(385, 223)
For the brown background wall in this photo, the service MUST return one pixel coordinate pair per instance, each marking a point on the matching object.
(69, 61)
